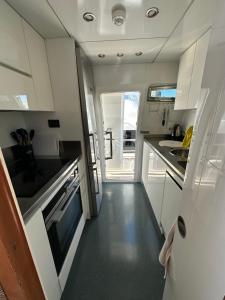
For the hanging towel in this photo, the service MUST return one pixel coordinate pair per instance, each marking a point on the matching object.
(164, 256)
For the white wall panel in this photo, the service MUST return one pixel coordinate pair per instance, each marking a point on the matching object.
(138, 77)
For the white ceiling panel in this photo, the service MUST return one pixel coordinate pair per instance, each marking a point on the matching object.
(136, 25)
(40, 15)
(195, 22)
(149, 47)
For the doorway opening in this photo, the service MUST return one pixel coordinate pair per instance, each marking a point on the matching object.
(120, 114)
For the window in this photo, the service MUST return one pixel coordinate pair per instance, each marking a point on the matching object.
(162, 93)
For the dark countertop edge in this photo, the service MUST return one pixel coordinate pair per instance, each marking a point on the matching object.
(43, 197)
(170, 164)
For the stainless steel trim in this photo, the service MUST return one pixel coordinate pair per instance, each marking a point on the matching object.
(54, 186)
(180, 187)
(91, 135)
(96, 172)
(160, 99)
(176, 171)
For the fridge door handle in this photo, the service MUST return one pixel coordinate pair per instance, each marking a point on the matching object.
(109, 132)
(91, 135)
(96, 172)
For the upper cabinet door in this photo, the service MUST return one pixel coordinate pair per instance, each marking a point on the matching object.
(39, 68)
(16, 91)
(12, 42)
(198, 68)
(184, 78)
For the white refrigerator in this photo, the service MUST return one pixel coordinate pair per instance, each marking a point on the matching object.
(197, 266)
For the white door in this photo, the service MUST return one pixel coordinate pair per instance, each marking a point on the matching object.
(197, 268)
(112, 106)
(120, 113)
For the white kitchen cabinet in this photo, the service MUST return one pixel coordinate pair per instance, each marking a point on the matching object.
(145, 164)
(190, 74)
(171, 200)
(184, 78)
(39, 68)
(16, 91)
(12, 41)
(198, 68)
(155, 184)
(42, 256)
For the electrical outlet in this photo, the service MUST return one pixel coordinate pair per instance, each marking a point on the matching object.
(53, 123)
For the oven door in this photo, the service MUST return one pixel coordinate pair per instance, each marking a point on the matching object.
(63, 224)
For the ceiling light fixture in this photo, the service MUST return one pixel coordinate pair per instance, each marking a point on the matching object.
(100, 55)
(118, 15)
(152, 12)
(120, 54)
(139, 53)
(89, 17)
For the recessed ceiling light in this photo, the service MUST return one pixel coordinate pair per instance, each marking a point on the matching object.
(89, 17)
(139, 53)
(120, 54)
(152, 12)
(101, 55)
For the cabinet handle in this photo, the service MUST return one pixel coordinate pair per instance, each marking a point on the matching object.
(181, 227)
(180, 187)
(109, 132)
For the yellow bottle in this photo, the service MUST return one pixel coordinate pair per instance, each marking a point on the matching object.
(187, 138)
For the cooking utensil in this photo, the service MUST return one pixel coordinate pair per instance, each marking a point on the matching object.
(16, 137)
(164, 117)
(21, 136)
(24, 136)
(32, 132)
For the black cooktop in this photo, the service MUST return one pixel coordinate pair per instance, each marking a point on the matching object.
(30, 173)
(28, 179)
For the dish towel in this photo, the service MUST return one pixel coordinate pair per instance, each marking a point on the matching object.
(165, 254)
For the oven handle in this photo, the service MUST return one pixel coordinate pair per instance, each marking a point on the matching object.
(61, 213)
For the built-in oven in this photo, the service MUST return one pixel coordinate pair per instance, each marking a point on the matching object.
(62, 216)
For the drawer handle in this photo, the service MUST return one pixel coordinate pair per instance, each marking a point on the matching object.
(181, 227)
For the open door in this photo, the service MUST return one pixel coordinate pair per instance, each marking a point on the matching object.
(18, 276)
(120, 113)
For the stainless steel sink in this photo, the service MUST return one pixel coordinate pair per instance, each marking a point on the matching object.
(182, 163)
(181, 153)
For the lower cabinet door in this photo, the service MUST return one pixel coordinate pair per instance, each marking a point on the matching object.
(156, 181)
(16, 91)
(171, 201)
(145, 163)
